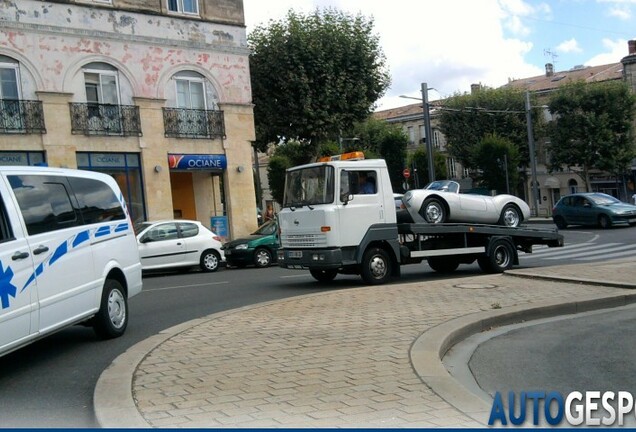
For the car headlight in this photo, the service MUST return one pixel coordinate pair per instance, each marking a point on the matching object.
(241, 246)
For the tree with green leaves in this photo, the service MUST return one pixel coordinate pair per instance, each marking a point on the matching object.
(285, 156)
(465, 119)
(314, 75)
(494, 155)
(419, 161)
(592, 128)
(379, 139)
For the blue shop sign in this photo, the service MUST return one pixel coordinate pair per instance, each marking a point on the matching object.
(197, 162)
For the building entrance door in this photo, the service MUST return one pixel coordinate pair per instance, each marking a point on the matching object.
(183, 195)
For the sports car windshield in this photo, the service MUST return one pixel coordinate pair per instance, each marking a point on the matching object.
(309, 186)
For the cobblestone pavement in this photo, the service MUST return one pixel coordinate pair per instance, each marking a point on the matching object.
(337, 359)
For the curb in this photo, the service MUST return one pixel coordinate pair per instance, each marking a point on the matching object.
(430, 347)
(571, 279)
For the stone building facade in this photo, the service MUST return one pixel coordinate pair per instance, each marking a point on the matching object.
(154, 92)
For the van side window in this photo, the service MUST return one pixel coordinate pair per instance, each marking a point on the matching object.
(6, 233)
(45, 203)
(97, 201)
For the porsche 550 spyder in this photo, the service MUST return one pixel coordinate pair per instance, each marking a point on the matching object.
(441, 202)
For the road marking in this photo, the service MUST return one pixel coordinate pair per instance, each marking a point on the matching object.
(187, 286)
(596, 252)
(614, 255)
(567, 250)
(294, 276)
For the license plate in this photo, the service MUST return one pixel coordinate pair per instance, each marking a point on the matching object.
(295, 254)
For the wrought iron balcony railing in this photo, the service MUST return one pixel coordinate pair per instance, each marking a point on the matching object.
(105, 119)
(193, 123)
(21, 116)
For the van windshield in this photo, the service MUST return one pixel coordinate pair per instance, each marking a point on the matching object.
(309, 186)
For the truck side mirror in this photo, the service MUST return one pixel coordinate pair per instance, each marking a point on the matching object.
(346, 197)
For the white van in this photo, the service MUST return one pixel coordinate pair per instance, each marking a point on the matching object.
(68, 254)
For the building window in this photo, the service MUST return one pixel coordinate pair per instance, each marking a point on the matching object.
(190, 93)
(422, 134)
(184, 6)
(411, 135)
(101, 87)
(9, 88)
(573, 186)
(465, 173)
(452, 169)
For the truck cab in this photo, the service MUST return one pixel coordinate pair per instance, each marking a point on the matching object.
(328, 209)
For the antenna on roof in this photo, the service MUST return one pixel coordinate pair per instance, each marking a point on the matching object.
(553, 56)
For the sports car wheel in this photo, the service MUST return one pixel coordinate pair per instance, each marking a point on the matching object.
(433, 211)
(510, 216)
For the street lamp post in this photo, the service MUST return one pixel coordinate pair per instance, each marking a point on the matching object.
(427, 130)
(533, 162)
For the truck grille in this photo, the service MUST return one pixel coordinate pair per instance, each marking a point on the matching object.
(304, 240)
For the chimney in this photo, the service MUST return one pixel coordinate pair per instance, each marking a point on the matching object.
(549, 69)
(474, 88)
(631, 47)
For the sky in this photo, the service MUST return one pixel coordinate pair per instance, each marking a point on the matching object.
(451, 44)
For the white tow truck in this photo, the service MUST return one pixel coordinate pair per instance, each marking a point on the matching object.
(329, 226)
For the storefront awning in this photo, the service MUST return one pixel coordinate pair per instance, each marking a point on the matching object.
(552, 183)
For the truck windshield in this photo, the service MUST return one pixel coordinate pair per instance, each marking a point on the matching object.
(309, 186)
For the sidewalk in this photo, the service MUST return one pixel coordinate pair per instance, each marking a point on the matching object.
(360, 357)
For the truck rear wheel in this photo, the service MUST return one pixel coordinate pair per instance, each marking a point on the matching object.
(443, 264)
(376, 266)
(323, 275)
(500, 259)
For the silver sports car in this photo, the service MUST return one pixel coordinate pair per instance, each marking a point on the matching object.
(441, 202)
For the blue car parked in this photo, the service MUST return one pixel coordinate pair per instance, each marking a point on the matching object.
(594, 208)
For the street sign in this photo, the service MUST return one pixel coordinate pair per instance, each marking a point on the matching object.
(406, 173)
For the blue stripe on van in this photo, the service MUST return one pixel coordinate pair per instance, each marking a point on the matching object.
(81, 238)
(102, 231)
(121, 227)
(59, 252)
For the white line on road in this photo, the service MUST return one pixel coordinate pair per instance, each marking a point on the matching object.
(596, 252)
(294, 276)
(187, 286)
(571, 252)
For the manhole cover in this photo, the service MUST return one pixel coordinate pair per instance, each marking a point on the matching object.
(475, 286)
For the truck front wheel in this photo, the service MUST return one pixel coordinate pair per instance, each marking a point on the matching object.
(376, 266)
(323, 275)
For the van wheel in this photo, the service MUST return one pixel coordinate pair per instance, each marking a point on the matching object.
(443, 264)
(210, 260)
(262, 258)
(501, 258)
(112, 318)
(376, 266)
(323, 275)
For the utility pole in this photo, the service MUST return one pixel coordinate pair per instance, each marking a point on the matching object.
(429, 134)
(533, 162)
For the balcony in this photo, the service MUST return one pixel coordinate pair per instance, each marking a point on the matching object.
(193, 123)
(21, 117)
(105, 119)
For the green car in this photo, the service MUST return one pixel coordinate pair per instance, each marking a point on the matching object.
(258, 249)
